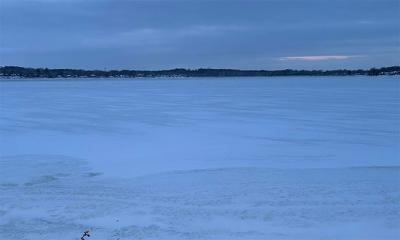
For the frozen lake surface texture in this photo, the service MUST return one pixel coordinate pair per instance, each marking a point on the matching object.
(211, 158)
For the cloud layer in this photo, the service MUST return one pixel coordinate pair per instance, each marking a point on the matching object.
(233, 34)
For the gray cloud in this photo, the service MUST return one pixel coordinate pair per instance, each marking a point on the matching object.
(163, 34)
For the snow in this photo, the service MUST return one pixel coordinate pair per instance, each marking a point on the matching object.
(225, 158)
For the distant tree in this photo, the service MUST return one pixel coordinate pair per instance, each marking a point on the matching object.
(14, 71)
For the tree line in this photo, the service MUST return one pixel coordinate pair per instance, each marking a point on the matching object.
(22, 72)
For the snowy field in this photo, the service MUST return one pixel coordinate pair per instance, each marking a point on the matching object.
(226, 158)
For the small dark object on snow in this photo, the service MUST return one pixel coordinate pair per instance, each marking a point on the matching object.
(85, 234)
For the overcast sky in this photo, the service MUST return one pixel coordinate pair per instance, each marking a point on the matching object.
(247, 34)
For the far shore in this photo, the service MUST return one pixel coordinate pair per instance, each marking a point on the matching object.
(23, 72)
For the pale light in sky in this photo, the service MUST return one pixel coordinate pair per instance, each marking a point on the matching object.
(316, 58)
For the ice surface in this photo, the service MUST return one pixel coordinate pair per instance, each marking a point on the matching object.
(225, 158)
(229, 203)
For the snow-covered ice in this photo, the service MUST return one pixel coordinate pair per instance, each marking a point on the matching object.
(225, 158)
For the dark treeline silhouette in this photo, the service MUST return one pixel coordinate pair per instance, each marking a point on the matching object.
(22, 72)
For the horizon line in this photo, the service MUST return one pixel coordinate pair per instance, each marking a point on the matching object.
(200, 68)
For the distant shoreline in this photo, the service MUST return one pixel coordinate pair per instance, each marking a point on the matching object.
(23, 72)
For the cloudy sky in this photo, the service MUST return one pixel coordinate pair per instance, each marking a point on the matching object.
(246, 34)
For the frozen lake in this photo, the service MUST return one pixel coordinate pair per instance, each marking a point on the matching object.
(210, 158)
